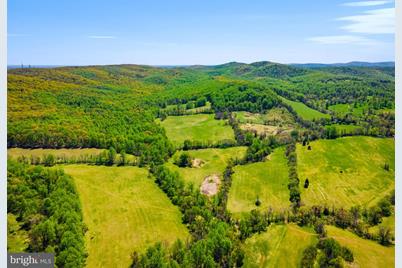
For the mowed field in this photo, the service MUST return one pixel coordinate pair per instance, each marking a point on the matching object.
(346, 171)
(124, 211)
(305, 112)
(366, 253)
(279, 246)
(215, 162)
(268, 180)
(199, 127)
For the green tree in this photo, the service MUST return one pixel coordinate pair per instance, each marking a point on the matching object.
(111, 156)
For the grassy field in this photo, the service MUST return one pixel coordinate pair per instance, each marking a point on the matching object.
(247, 117)
(305, 112)
(279, 246)
(215, 162)
(366, 253)
(61, 154)
(280, 116)
(124, 211)
(347, 171)
(343, 109)
(277, 116)
(268, 180)
(199, 127)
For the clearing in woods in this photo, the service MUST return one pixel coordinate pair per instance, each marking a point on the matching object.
(305, 112)
(346, 171)
(279, 246)
(266, 180)
(277, 116)
(214, 161)
(124, 211)
(198, 127)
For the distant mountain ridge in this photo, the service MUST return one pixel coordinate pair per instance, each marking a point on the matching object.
(348, 64)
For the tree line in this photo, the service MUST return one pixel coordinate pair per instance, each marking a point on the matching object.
(46, 204)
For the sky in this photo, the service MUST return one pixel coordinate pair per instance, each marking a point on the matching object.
(187, 32)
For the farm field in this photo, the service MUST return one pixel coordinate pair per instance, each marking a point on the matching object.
(366, 253)
(215, 162)
(61, 154)
(199, 127)
(124, 211)
(266, 180)
(279, 246)
(305, 112)
(346, 171)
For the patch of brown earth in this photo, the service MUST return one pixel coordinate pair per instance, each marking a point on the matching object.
(197, 163)
(264, 129)
(210, 185)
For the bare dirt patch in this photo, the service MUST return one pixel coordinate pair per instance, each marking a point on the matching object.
(197, 163)
(262, 129)
(210, 185)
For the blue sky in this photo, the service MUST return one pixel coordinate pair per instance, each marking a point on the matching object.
(173, 32)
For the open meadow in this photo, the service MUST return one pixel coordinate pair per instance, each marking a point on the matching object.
(279, 246)
(366, 253)
(305, 112)
(214, 161)
(266, 180)
(278, 116)
(124, 211)
(346, 171)
(198, 127)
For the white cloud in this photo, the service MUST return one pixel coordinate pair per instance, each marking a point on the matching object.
(101, 37)
(366, 3)
(342, 39)
(379, 21)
